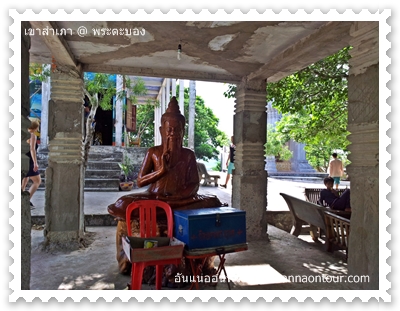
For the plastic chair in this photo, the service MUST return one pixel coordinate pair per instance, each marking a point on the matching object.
(148, 229)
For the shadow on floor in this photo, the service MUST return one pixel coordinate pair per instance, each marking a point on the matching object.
(265, 265)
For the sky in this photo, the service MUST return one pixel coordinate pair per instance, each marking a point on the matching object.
(213, 96)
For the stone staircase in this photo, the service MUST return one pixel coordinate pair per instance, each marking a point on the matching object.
(102, 171)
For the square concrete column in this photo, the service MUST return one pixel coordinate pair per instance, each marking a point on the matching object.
(25, 208)
(363, 124)
(119, 107)
(249, 180)
(65, 171)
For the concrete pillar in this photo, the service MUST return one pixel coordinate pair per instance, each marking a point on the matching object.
(25, 208)
(298, 161)
(192, 109)
(65, 172)
(182, 96)
(157, 124)
(159, 112)
(173, 87)
(166, 96)
(44, 119)
(363, 124)
(249, 178)
(119, 106)
(272, 117)
(168, 89)
(163, 99)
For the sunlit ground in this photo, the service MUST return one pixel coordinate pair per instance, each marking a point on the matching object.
(254, 275)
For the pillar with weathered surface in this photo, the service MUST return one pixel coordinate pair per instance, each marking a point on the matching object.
(192, 111)
(65, 171)
(249, 180)
(119, 111)
(25, 207)
(363, 124)
(272, 117)
(44, 117)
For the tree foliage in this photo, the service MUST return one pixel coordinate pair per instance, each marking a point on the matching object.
(313, 102)
(276, 144)
(38, 72)
(101, 89)
(145, 124)
(207, 137)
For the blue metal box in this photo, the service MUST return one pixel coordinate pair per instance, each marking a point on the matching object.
(210, 227)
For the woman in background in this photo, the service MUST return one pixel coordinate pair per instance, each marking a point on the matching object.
(33, 172)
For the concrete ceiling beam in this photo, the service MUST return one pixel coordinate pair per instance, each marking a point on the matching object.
(57, 45)
(327, 40)
(150, 72)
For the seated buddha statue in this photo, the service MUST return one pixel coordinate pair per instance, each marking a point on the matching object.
(170, 172)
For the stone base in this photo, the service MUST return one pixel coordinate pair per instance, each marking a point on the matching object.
(283, 166)
(282, 220)
(64, 240)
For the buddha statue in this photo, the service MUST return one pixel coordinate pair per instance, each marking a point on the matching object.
(170, 172)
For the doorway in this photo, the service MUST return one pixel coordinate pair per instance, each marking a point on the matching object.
(104, 127)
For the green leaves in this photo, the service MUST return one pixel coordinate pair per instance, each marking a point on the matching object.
(207, 137)
(38, 72)
(145, 124)
(126, 166)
(313, 103)
(102, 85)
(275, 145)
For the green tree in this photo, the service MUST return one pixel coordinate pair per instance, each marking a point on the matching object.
(313, 103)
(38, 72)
(145, 124)
(275, 145)
(207, 137)
(101, 89)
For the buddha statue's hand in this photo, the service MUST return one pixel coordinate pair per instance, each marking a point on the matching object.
(165, 161)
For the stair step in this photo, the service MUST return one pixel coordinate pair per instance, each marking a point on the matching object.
(102, 189)
(101, 182)
(102, 171)
(113, 174)
(99, 165)
(106, 157)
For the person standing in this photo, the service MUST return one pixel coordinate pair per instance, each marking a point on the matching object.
(336, 170)
(230, 162)
(33, 172)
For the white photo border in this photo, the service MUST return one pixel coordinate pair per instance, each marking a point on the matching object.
(173, 15)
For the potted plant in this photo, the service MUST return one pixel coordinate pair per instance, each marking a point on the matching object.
(126, 177)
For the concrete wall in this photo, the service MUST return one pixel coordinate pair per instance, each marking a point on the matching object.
(364, 175)
(363, 124)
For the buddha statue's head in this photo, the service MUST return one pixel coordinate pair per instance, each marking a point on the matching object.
(172, 125)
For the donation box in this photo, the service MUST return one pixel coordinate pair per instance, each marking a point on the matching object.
(210, 227)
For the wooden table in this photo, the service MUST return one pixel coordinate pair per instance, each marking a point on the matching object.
(204, 253)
